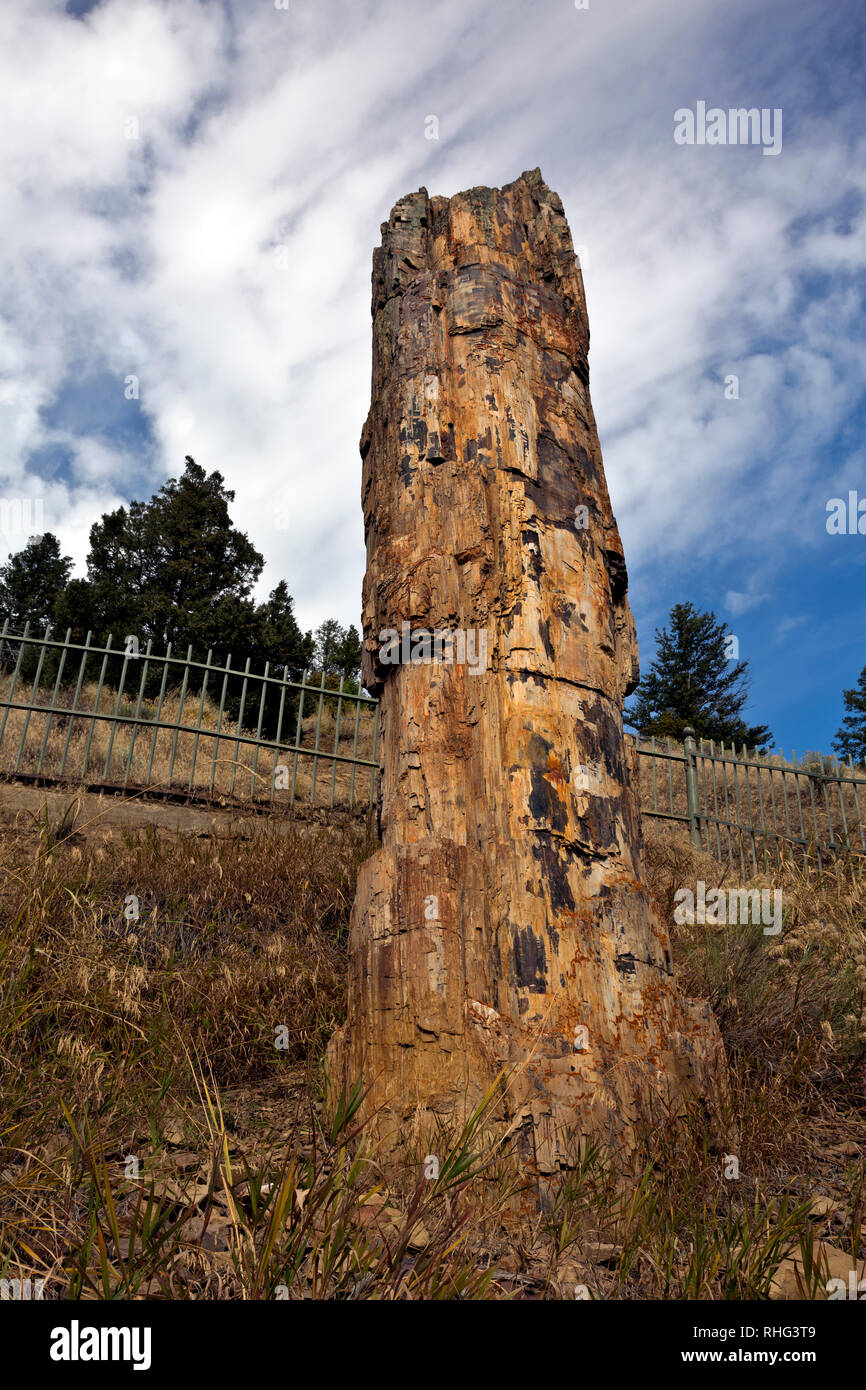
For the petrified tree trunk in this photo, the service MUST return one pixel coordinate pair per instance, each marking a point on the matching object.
(505, 921)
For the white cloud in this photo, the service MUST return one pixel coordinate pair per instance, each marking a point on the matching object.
(262, 127)
(788, 625)
(738, 603)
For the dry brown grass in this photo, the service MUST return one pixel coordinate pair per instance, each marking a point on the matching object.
(792, 1010)
(153, 1038)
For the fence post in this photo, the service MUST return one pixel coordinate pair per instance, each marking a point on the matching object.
(690, 749)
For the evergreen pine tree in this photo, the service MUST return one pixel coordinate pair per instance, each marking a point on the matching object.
(174, 569)
(692, 682)
(348, 654)
(850, 741)
(31, 581)
(338, 651)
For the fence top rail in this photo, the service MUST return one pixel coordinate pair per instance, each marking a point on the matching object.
(841, 773)
(660, 753)
(172, 659)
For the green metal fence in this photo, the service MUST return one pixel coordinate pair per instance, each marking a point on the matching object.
(753, 808)
(125, 717)
(121, 717)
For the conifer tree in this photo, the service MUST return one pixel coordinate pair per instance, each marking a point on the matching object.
(31, 582)
(694, 683)
(850, 741)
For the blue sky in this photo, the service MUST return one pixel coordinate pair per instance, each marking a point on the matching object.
(155, 157)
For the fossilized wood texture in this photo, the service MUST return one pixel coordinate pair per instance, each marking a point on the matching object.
(507, 908)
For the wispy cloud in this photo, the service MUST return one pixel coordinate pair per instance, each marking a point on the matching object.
(192, 194)
(738, 603)
(789, 625)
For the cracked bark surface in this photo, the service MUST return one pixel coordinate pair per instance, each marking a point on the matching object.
(505, 917)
